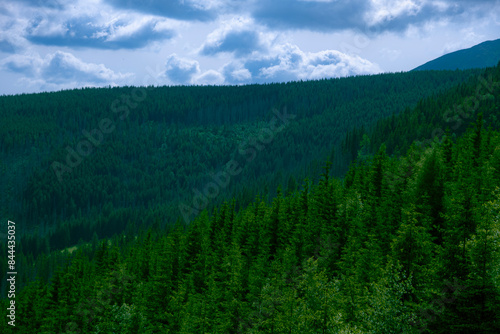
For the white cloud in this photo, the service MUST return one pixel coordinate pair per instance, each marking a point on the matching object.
(62, 70)
(470, 38)
(332, 63)
(62, 67)
(387, 10)
(11, 40)
(181, 70)
(239, 36)
(28, 65)
(241, 75)
(288, 62)
(391, 54)
(11, 43)
(229, 41)
(126, 32)
(210, 77)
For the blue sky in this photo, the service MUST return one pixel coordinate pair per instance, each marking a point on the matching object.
(58, 44)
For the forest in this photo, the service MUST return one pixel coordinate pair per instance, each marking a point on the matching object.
(374, 209)
(149, 165)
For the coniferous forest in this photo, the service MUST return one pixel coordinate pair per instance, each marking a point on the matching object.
(368, 204)
(66, 182)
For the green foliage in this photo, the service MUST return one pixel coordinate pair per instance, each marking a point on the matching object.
(374, 253)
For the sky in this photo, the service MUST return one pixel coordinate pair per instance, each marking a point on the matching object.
(58, 44)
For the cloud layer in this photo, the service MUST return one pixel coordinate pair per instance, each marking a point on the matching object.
(314, 15)
(240, 43)
(117, 24)
(87, 32)
(62, 69)
(213, 42)
(289, 63)
(286, 62)
(371, 16)
(177, 9)
(181, 70)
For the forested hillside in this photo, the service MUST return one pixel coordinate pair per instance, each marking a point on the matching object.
(402, 245)
(486, 54)
(429, 119)
(82, 165)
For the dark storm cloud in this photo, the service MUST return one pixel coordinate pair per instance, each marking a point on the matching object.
(311, 15)
(401, 22)
(6, 46)
(476, 7)
(176, 9)
(24, 65)
(84, 32)
(457, 10)
(337, 15)
(240, 42)
(472, 2)
(53, 4)
(254, 66)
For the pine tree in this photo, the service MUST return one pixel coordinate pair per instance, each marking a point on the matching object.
(429, 194)
(476, 139)
(31, 307)
(460, 224)
(482, 286)
(413, 250)
(389, 313)
(447, 152)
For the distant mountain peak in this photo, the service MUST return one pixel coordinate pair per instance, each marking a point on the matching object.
(486, 54)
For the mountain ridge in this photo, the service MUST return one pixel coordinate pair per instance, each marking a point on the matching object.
(486, 54)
